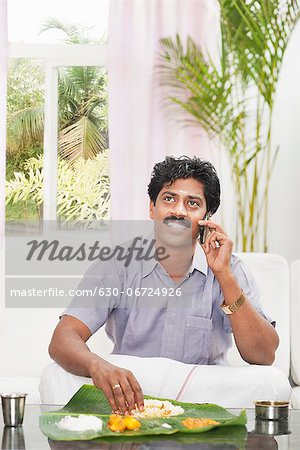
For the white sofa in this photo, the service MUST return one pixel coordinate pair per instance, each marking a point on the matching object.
(295, 332)
(25, 333)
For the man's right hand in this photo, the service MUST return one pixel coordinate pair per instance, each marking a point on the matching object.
(68, 348)
(119, 385)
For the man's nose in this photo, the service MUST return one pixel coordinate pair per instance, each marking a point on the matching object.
(179, 209)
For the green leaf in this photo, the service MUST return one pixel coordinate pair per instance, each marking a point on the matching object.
(81, 140)
(74, 34)
(231, 97)
(256, 33)
(92, 401)
(196, 84)
(25, 127)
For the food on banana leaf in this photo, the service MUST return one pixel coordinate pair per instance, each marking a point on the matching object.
(193, 422)
(116, 423)
(90, 401)
(131, 423)
(157, 408)
(80, 423)
(119, 424)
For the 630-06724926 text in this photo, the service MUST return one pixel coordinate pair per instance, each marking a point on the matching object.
(97, 291)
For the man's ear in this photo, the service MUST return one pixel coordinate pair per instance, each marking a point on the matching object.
(151, 209)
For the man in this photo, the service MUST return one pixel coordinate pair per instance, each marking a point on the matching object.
(214, 293)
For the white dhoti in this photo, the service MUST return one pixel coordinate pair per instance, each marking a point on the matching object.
(230, 387)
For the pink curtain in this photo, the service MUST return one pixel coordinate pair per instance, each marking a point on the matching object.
(3, 74)
(141, 132)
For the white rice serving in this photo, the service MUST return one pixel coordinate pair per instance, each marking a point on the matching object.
(80, 423)
(158, 408)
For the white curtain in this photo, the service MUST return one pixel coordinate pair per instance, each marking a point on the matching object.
(141, 132)
(3, 72)
(3, 63)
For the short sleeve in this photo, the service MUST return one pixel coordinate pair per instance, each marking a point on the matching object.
(96, 296)
(246, 282)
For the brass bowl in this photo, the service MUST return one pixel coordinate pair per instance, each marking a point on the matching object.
(271, 410)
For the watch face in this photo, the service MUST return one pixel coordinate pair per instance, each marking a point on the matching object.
(227, 309)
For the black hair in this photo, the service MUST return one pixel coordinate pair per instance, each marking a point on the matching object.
(171, 169)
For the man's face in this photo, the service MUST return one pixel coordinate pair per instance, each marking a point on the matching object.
(178, 208)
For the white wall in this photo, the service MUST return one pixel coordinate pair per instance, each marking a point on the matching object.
(284, 209)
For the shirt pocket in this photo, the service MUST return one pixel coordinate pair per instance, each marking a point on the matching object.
(197, 340)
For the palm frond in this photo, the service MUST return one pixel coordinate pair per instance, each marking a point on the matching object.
(68, 98)
(254, 37)
(74, 33)
(257, 33)
(196, 84)
(81, 139)
(25, 128)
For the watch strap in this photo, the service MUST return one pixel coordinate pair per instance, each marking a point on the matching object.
(231, 309)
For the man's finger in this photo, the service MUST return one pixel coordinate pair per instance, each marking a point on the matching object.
(138, 393)
(212, 225)
(110, 397)
(215, 237)
(129, 394)
(120, 399)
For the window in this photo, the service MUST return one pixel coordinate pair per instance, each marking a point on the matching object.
(58, 91)
(26, 19)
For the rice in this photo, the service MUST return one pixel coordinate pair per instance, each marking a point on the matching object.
(158, 408)
(80, 423)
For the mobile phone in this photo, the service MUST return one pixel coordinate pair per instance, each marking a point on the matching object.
(203, 230)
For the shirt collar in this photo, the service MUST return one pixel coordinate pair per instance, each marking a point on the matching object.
(198, 263)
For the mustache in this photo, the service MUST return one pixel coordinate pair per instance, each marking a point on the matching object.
(183, 222)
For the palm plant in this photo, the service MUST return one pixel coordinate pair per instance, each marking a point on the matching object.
(24, 99)
(233, 98)
(82, 108)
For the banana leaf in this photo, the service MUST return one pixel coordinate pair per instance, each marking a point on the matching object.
(92, 401)
(220, 438)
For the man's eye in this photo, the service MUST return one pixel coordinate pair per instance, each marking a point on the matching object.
(169, 199)
(193, 203)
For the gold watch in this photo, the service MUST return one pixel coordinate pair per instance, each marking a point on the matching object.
(231, 309)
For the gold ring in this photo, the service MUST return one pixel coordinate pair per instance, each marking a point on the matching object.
(116, 386)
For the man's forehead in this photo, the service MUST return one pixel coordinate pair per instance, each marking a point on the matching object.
(187, 186)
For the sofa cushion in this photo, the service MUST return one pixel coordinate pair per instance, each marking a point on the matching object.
(271, 273)
(296, 397)
(295, 319)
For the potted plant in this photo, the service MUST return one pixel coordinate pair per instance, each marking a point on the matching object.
(233, 98)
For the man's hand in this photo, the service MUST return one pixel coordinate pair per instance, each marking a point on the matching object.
(68, 348)
(255, 338)
(217, 248)
(119, 385)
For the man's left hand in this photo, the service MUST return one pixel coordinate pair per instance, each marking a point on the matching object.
(217, 247)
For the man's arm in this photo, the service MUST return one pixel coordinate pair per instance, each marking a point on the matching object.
(255, 337)
(68, 348)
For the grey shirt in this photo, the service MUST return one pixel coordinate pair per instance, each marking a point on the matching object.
(147, 314)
